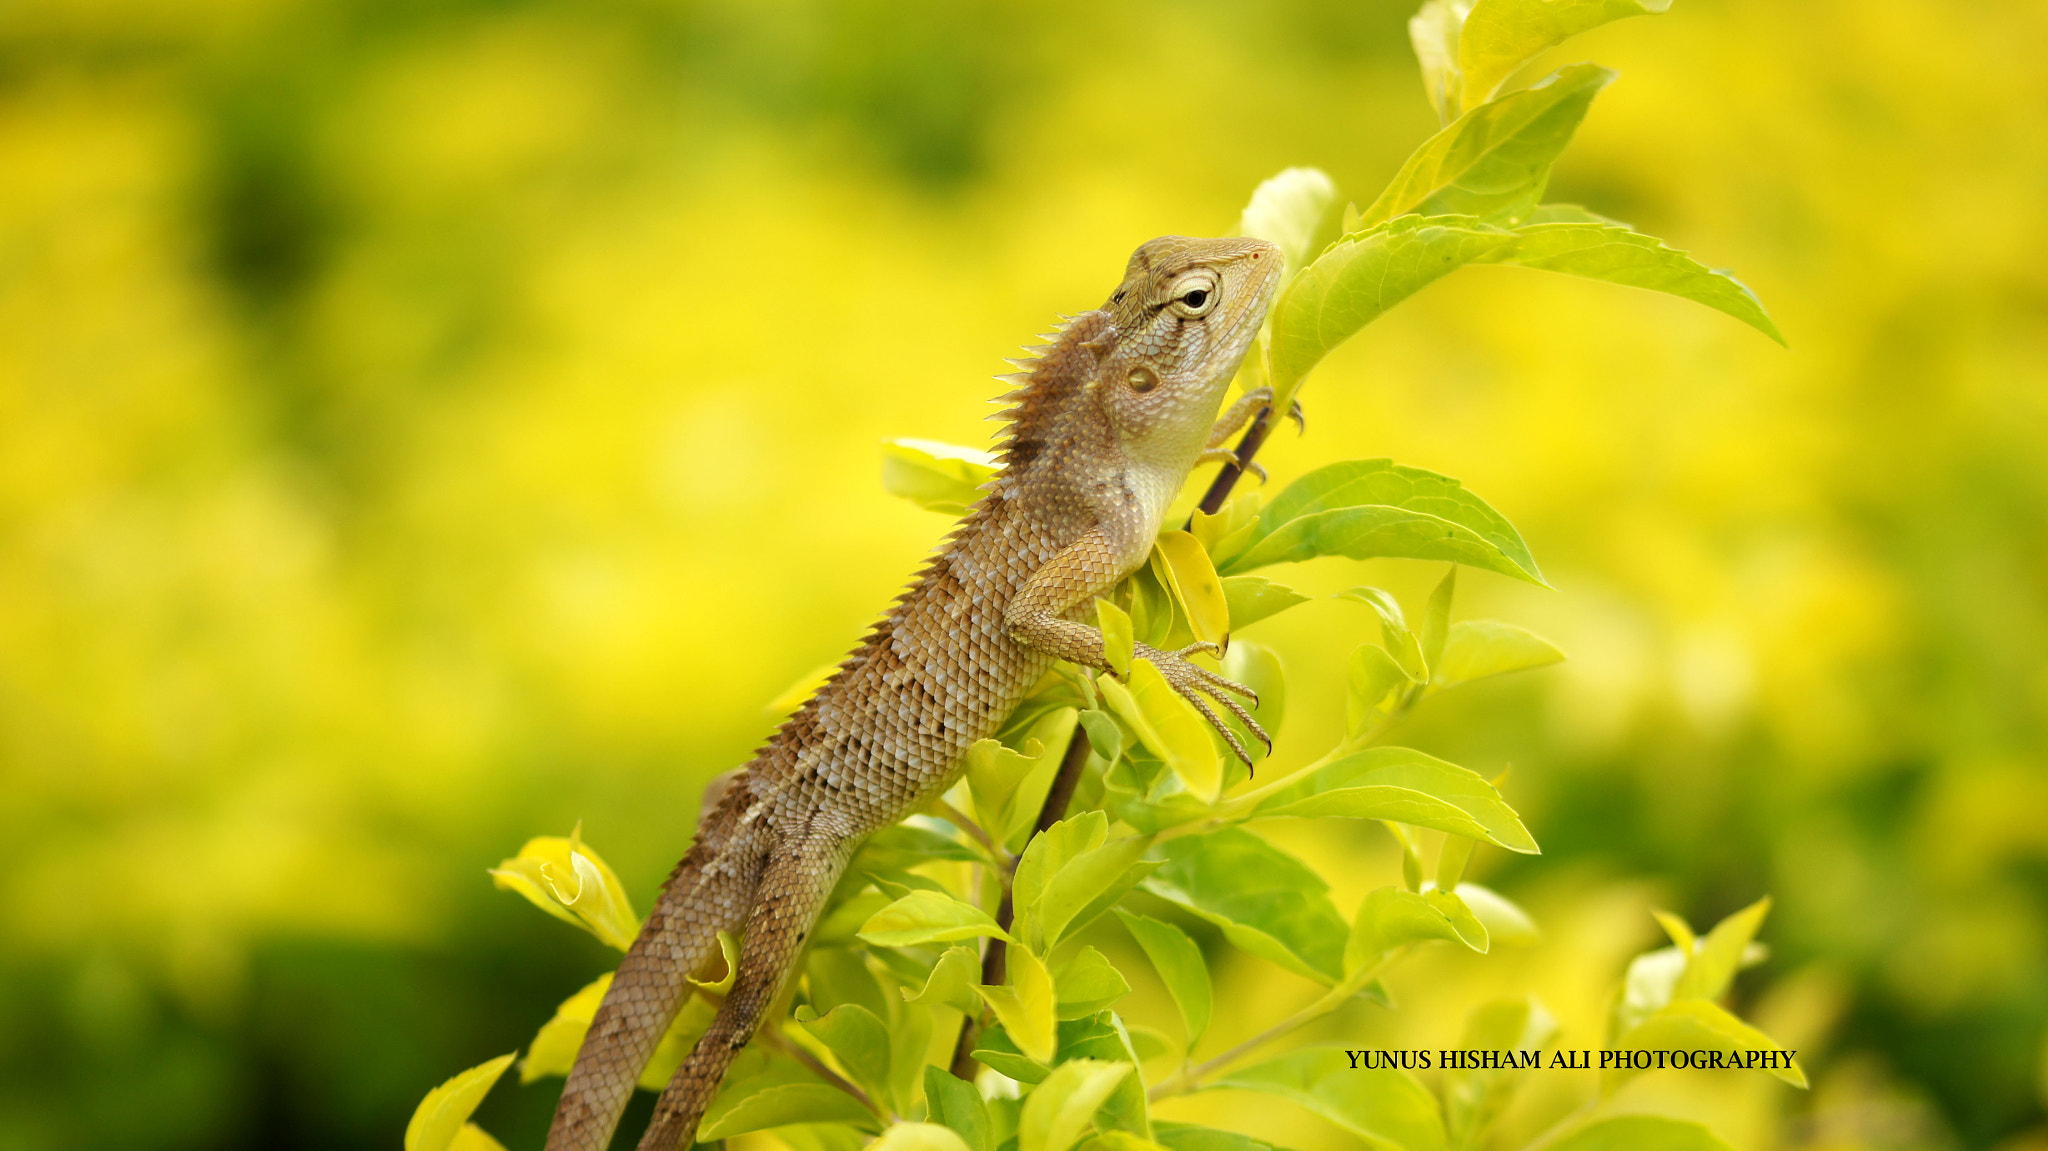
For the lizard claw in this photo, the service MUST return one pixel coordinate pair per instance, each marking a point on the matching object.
(1192, 683)
(1225, 455)
(1300, 421)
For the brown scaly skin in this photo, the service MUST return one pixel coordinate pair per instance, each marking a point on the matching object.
(1109, 421)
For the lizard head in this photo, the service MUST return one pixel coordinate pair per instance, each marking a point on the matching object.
(1185, 313)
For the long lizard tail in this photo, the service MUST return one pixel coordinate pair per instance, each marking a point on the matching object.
(793, 887)
(710, 891)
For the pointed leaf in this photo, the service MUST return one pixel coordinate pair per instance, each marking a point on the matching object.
(1117, 637)
(1057, 1113)
(1266, 901)
(1433, 33)
(1433, 793)
(1384, 1106)
(1180, 965)
(1479, 648)
(1699, 1026)
(939, 477)
(1642, 1133)
(440, 1117)
(1494, 161)
(955, 1103)
(951, 982)
(1026, 1005)
(1168, 726)
(1617, 255)
(783, 1105)
(1714, 963)
(1361, 276)
(1371, 508)
(1505, 922)
(1253, 598)
(1501, 35)
(1192, 579)
(1391, 918)
(1087, 984)
(568, 880)
(857, 1039)
(928, 917)
(1475, 1096)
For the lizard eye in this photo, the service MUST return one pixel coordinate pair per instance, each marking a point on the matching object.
(1196, 299)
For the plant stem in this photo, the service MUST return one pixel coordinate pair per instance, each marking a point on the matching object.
(995, 960)
(1190, 1078)
(796, 1051)
(1254, 437)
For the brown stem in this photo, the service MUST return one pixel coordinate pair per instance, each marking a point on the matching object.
(995, 961)
(1254, 436)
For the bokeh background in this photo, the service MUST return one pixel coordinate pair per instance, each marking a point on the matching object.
(429, 423)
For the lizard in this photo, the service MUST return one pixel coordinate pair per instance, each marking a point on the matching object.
(1106, 423)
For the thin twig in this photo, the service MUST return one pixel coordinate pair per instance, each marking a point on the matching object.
(1254, 436)
(995, 960)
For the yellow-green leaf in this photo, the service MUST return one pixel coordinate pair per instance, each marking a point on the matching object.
(1027, 1005)
(569, 881)
(1290, 209)
(1715, 959)
(1171, 728)
(928, 917)
(1500, 36)
(439, 1118)
(1057, 1112)
(1433, 33)
(1193, 581)
(783, 1105)
(1699, 1026)
(1250, 599)
(940, 477)
(951, 982)
(1478, 648)
(1180, 966)
(1118, 636)
(919, 1137)
(1087, 984)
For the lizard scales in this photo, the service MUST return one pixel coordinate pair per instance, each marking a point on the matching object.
(1107, 424)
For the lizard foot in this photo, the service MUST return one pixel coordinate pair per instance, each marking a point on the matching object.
(1225, 455)
(1191, 683)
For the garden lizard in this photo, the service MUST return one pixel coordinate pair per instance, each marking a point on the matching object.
(1106, 423)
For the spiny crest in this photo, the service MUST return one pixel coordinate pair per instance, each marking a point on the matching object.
(1051, 376)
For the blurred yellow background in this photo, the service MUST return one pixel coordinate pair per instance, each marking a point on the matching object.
(429, 424)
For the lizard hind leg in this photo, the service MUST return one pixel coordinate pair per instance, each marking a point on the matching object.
(795, 882)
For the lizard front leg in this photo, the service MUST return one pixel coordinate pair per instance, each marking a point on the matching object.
(796, 879)
(1037, 617)
(1234, 418)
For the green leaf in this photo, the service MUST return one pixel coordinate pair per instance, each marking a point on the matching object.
(1475, 1096)
(1189, 1137)
(1501, 35)
(1479, 648)
(1290, 209)
(939, 477)
(951, 982)
(902, 846)
(1433, 32)
(858, 1039)
(1494, 161)
(1436, 619)
(955, 1103)
(1117, 637)
(1471, 932)
(995, 1049)
(1266, 901)
(1026, 1005)
(1180, 965)
(1645, 989)
(1642, 1133)
(1403, 784)
(928, 917)
(1087, 984)
(440, 1118)
(1373, 676)
(1083, 889)
(1451, 860)
(1105, 738)
(1057, 1113)
(1009, 787)
(1258, 667)
(1253, 598)
(1569, 214)
(1361, 276)
(1617, 255)
(1384, 1106)
(1697, 1025)
(1104, 1036)
(1391, 918)
(1505, 922)
(1713, 966)
(919, 1137)
(1367, 509)
(1404, 645)
(781, 1106)
(1050, 851)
